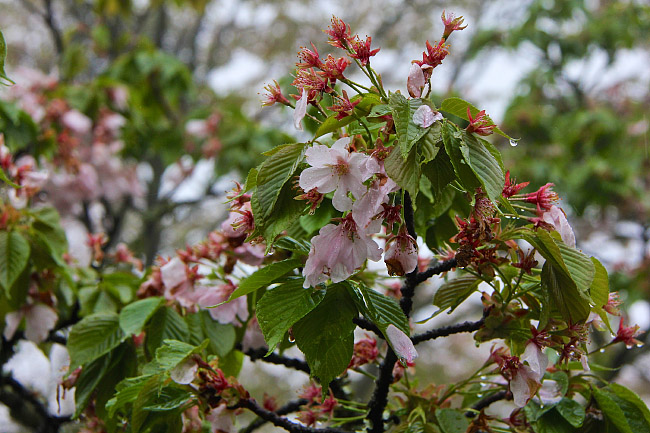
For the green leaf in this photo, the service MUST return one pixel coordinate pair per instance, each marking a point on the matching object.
(287, 211)
(484, 165)
(572, 411)
(222, 336)
(573, 307)
(264, 276)
(295, 245)
(631, 397)
(173, 352)
(428, 146)
(274, 173)
(165, 324)
(326, 334)
(464, 173)
(5, 179)
(405, 172)
(553, 422)
(281, 307)
(331, 124)
(93, 337)
(3, 56)
(452, 420)
(454, 292)
(379, 309)
(440, 173)
(458, 107)
(612, 410)
(127, 391)
(599, 290)
(170, 398)
(408, 133)
(134, 316)
(14, 255)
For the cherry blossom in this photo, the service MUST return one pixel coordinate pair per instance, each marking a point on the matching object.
(40, 319)
(370, 205)
(401, 344)
(336, 252)
(536, 359)
(301, 109)
(211, 295)
(555, 217)
(415, 82)
(401, 255)
(336, 169)
(424, 116)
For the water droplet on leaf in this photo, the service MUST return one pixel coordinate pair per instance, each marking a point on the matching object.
(514, 142)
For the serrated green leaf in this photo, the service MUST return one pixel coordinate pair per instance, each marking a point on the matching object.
(274, 173)
(430, 144)
(454, 292)
(379, 309)
(612, 410)
(14, 255)
(405, 172)
(148, 393)
(572, 411)
(464, 173)
(367, 101)
(573, 307)
(165, 324)
(326, 334)
(264, 277)
(173, 352)
(452, 420)
(440, 172)
(552, 422)
(281, 307)
(332, 124)
(127, 391)
(170, 398)
(631, 397)
(599, 290)
(3, 56)
(290, 244)
(93, 337)
(484, 165)
(134, 316)
(458, 107)
(408, 133)
(222, 336)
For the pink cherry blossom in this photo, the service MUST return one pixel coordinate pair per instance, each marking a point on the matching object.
(401, 344)
(178, 282)
(211, 295)
(401, 255)
(524, 384)
(184, 372)
(536, 359)
(220, 419)
(337, 169)
(415, 82)
(40, 319)
(77, 121)
(336, 252)
(301, 109)
(368, 206)
(424, 116)
(556, 217)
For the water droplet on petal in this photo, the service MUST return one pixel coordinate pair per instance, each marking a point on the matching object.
(514, 142)
(639, 345)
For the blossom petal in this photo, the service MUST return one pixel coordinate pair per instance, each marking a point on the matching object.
(12, 320)
(324, 179)
(424, 116)
(173, 273)
(401, 344)
(40, 319)
(301, 110)
(415, 81)
(184, 372)
(556, 217)
(537, 360)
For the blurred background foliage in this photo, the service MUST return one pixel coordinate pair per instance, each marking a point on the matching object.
(570, 78)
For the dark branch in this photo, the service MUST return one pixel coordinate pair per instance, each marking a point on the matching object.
(48, 17)
(274, 358)
(485, 402)
(366, 324)
(436, 269)
(380, 395)
(444, 331)
(280, 421)
(288, 408)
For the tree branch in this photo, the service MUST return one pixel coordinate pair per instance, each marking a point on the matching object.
(485, 402)
(274, 358)
(280, 421)
(366, 324)
(445, 331)
(288, 408)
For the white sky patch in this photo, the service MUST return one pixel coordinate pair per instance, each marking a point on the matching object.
(243, 68)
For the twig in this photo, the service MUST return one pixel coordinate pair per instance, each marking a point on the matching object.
(485, 402)
(379, 398)
(274, 358)
(280, 421)
(288, 408)
(366, 324)
(445, 331)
